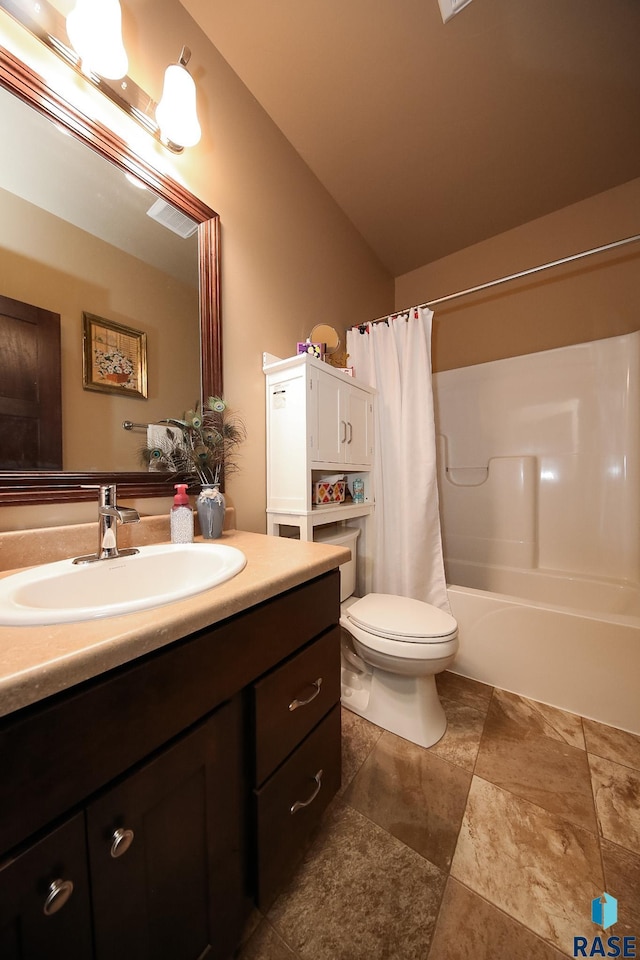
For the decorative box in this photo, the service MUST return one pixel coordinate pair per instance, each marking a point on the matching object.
(314, 349)
(329, 491)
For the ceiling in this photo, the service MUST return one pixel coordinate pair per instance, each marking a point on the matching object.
(63, 176)
(434, 136)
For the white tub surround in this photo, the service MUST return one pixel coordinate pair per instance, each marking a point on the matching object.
(577, 646)
(539, 480)
(549, 444)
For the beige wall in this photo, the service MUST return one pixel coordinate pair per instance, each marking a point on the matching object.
(590, 299)
(290, 258)
(49, 263)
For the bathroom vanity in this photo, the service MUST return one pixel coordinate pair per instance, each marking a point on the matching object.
(145, 807)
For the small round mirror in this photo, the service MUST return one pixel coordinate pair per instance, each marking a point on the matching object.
(323, 333)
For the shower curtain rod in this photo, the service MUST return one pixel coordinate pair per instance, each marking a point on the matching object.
(512, 276)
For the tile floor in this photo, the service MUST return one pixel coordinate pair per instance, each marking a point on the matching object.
(491, 844)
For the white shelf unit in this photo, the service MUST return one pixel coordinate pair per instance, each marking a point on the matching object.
(319, 427)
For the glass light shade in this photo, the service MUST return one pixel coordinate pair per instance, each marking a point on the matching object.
(95, 32)
(176, 113)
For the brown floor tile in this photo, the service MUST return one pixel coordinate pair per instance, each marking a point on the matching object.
(612, 744)
(469, 928)
(465, 703)
(416, 796)
(622, 880)
(521, 752)
(565, 726)
(359, 737)
(616, 789)
(265, 944)
(537, 867)
(359, 894)
(455, 687)
(461, 741)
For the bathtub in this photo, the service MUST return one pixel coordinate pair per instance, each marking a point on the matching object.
(568, 641)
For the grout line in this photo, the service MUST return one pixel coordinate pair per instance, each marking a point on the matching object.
(438, 912)
(510, 917)
(466, 801)
(345, 787)
(562, 738)
(620, 763)
(282, 939)
(484, 723)
(600, 835)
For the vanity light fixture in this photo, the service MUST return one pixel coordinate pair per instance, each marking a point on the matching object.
(95, 31)
(79, 41)
(176, 113)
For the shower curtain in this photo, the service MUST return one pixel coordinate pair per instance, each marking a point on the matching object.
(394, 356)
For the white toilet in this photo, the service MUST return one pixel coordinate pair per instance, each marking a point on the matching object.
(392, 647)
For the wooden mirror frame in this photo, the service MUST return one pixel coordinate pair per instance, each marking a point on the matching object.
(31, 487)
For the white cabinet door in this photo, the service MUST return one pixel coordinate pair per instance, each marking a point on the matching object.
(331, 431)
(358, 416)
(343, 421)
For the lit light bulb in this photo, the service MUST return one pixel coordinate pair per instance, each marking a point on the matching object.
(176, 113)
(95, 32)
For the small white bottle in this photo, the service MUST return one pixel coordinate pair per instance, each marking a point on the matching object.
(181, 516)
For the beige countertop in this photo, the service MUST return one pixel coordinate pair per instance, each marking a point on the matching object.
(36, 662)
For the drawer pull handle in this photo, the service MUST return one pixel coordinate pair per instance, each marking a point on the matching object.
(121, 840)
(59, 893)
(350, 425)
(344, 431)
(299, 804)
(302, 703)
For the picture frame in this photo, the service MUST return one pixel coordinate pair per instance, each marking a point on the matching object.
(114, 357)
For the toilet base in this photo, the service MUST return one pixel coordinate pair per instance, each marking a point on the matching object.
(407, 706)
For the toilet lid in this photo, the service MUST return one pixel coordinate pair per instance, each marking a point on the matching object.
(402, 617)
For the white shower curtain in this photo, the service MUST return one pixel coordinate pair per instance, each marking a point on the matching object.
(394, 356)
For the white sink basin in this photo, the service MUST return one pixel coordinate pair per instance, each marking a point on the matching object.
(63, 592)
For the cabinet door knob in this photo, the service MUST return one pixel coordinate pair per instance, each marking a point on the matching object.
(299, 804)
(302, 703)
(350, 425)
(59, 893)
(344, 431)
(121, 840)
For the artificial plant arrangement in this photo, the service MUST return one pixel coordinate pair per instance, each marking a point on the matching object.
(202, 446)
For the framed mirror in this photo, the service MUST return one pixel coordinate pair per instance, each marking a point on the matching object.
(41, 486)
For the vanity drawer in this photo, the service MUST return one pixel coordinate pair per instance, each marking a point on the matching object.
(291, 802)
(289, 701)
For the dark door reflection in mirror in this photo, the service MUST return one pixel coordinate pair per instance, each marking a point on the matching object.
(88, 243)
(30, 387)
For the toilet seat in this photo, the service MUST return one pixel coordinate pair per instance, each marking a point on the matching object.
(401, 619)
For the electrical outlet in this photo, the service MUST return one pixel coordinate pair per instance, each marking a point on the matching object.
(449, 8)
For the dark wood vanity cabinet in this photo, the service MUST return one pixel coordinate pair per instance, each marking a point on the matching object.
(160, 853)
(143, 812)
(44, 898)
(164, 848)
(296, 767)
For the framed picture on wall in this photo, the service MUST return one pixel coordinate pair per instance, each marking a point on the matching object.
(114, 357)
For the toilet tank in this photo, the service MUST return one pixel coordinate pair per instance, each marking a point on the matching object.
(342, 537)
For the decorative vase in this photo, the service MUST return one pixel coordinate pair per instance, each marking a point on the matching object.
(210, 505)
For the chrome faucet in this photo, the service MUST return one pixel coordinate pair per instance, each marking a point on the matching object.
(109, 513)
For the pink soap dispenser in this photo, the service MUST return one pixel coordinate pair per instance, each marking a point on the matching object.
(181, 516)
